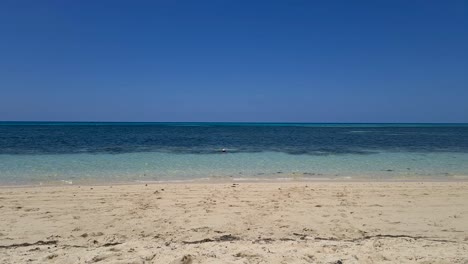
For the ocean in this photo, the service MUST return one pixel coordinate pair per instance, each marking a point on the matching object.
(80, 153)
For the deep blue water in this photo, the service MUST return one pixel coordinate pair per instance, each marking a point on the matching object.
(206, 138)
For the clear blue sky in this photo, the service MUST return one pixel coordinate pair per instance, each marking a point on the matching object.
(232, 60)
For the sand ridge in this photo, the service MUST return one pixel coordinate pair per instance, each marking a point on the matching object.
(281, 222)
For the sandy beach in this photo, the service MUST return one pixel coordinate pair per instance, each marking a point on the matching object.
(275, 222)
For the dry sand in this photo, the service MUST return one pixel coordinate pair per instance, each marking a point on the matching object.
(287, 222)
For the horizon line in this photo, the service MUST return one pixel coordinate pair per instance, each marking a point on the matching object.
(242, 122)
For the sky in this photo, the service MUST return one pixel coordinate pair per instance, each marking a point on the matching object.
(234, 61)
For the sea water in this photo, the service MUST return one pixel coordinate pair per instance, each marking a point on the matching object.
(78, 153)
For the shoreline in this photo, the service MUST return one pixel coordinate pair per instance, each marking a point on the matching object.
(225, 180)
(236, 222)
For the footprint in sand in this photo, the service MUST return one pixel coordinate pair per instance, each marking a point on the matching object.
(187, 259)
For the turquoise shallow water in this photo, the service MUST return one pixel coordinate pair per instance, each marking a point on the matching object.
(63, 153)
(153, 166)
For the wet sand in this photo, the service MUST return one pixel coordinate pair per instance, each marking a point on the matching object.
(278, 222)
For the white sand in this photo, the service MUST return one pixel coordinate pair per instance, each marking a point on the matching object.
(295, 222)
